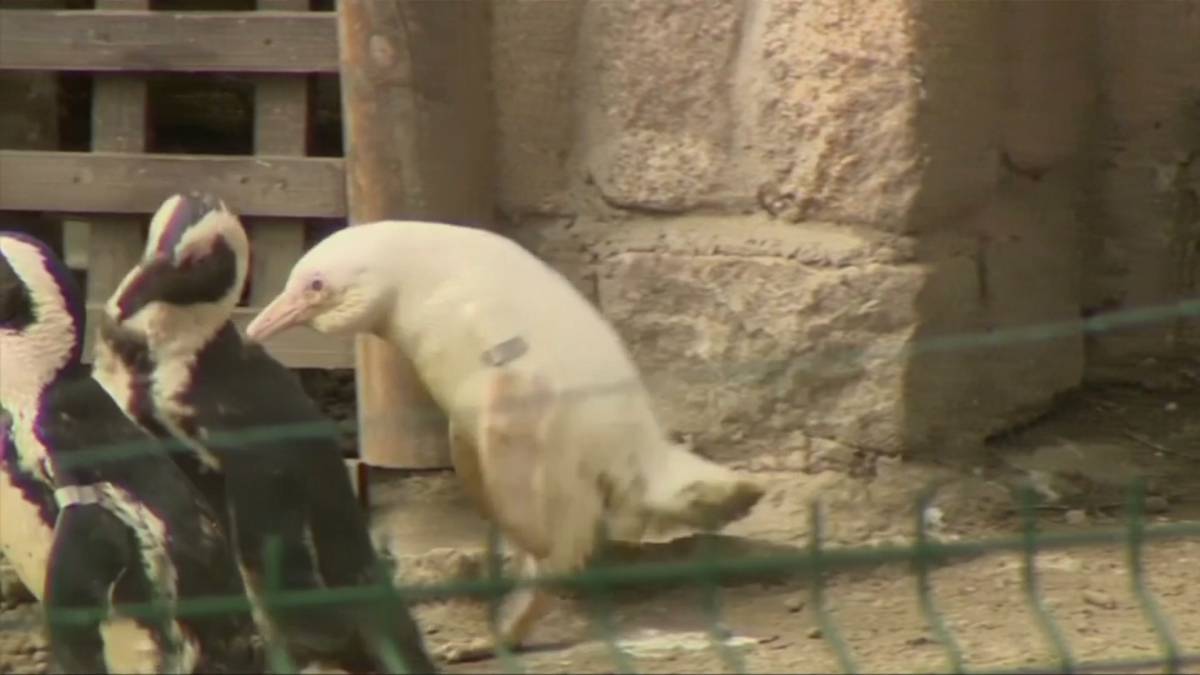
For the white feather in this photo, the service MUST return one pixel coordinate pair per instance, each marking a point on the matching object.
(449, 295)
(29, 360)
(25, 540)
(174, 336)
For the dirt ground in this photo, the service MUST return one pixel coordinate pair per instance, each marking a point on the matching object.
(1079, 457)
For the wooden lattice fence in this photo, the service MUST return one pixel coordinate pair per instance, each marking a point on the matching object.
(416, 96)
(116, 185)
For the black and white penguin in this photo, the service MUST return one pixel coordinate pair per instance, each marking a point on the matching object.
(170, 356)
(131, 528)
(27, 508)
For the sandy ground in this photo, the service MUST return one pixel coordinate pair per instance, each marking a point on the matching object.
(1080, 457)
(878, 616)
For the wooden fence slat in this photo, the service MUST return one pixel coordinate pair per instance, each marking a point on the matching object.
(114, 247)
(281, 116)
(108, 182)
(118, 125)
(284, 6)
(276, 246)
(280, 128)
(296, 348)
(416, 107)
(84, 40)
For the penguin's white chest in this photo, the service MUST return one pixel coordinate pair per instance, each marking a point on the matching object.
(25, 538)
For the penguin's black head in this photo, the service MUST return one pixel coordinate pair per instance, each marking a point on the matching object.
(16, 301)
(194, 265)
(41, 313)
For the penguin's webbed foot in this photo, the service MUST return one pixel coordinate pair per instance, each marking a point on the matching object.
(478, 649)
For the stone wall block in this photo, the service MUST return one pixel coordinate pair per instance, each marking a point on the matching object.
(739, 349)
(656, 99)
(535, 44)
(836, 93)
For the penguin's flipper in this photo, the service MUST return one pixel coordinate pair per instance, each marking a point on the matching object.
(91, 551)
(346, 559)
(77, 579)
(512, 456)
(265, 508)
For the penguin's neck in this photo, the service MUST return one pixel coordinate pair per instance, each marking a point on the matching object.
(177, 334)
(153, 357)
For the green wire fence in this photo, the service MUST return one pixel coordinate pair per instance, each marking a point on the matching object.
(712, 571)
(814, 564)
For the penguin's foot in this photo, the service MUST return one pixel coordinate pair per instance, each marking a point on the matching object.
(479, 649)
(323, 668)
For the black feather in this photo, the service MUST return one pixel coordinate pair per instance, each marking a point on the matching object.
(194, 281)
(16, 305)
(285, 477)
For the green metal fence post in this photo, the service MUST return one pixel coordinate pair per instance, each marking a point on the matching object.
(828, 628)
(921, 564)
(1033, 591)
(1137, 579)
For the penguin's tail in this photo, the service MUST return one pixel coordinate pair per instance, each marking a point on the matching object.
(684, 489)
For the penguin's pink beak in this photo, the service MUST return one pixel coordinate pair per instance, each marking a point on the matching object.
(288, 309)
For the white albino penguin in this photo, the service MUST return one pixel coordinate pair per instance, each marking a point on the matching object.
(267, 458)
(551, 427)
(130, 529)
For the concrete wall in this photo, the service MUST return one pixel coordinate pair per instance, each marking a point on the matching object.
(1146, 227)
(836, 220)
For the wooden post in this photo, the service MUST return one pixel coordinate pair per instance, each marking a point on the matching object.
(417, 113)
(280, 128)
(118, 125)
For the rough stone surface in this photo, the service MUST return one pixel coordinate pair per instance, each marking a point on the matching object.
(736, 348)
(999, 335)
(835, 92)
(1146, 225)
(998, 216)
(746, 329)
(1050, 64)
(758, 336)
(534, 61)
(657, 74)
(959, 125)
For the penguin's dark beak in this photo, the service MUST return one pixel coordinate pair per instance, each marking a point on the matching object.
(193, 282)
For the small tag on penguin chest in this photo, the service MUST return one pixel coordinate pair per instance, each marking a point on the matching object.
(505, 352)
(69, 495)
